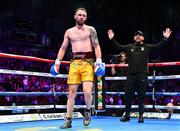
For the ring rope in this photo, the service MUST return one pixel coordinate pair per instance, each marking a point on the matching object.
(159, 64)
(80, 93)
(148, 93)
(146, 106)
(18, 72)
(6, 55)
(33, 107)
(6, 71)
(36, 93)
(165, 77)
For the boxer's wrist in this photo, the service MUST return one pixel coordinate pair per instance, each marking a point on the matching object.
(57, 61)
(98, 61)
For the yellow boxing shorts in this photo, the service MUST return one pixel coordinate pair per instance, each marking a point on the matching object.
(80, 71)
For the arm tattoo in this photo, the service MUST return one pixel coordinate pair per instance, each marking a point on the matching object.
(93, 36)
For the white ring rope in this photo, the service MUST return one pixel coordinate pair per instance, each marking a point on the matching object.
(148, 93)
(5, 71)
(79, 93)
(33, 107)
(18, 72)
(146, 106)
(36, 93)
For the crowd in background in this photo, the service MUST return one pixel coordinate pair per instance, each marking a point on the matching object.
(25, 83)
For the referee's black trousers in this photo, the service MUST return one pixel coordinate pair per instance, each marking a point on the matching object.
(135, 82)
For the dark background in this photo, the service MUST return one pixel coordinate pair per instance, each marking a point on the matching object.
(53, 17)
(23, 22)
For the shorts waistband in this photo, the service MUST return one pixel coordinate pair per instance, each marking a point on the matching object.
(83, 55)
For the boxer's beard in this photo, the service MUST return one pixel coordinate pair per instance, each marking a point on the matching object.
(80, 23)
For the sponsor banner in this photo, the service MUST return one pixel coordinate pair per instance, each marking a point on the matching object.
(175, 116)
(26, 107)
(19, 118)
(53, 116)
(152, 115)
(35, 117)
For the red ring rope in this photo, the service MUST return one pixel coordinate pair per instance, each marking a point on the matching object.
(29, 58)
(6, 55)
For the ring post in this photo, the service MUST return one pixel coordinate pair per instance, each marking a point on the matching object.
(99, 94)
(153, 87)
(54, 92)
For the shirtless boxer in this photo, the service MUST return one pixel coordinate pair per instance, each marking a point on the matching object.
(84, 42)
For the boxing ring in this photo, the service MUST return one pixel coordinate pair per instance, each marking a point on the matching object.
(38, 122)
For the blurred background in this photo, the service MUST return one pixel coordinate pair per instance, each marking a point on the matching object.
(36, 28)
(43, 22)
